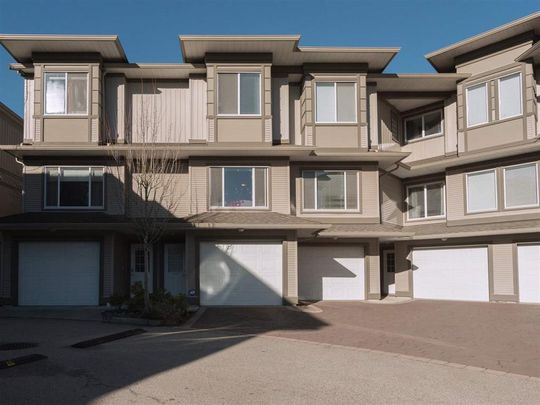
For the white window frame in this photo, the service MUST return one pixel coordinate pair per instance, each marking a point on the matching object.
(335, 103)
(238, 113)
(84, 114)
(253, 206)
(520, 96)
(407, 140)
(62, 207)
(426, 216)
(485, 85)
(469, 211)
(346, 209)
(537, 191)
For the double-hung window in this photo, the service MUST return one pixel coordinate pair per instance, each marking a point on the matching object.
(66, 93)
(425, 201)
(422, 126)
(238, 187)
(336, 102)
(239, 93)
(74, 187)
(521, 185)
(477, 104)
(331, 190)
(510, 96)
(482, 191)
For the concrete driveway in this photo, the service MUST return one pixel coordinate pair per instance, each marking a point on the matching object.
(500, 337)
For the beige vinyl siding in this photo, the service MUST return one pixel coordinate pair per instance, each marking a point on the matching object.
(492, 61)
(389, 122)
(450, 125)
(280, 109)
(280, 187)
(198, 120)
(291, 267)
(198, 176)
(29, 121)
(531, 103)
(503, 269)
(374, 269)
(424, 149)
(369, 192)
(391, 200)
(403, 272)
(11, 133)
(114, 118)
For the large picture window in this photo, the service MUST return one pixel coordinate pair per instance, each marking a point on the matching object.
(336, 102)
(425, 125)
(521, 186)
(510, 96)
(331, 190)
(66, 93)
(238, 187)
(482, 191)
(425, 201)
(74, 187)
(477, 105)
(239, 93)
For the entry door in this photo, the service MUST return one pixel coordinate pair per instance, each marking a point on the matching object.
(175, 274)
(389, 266)
(137, 266)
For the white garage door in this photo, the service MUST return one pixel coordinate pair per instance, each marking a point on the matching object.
(331, 272)
(529, 273)
(59, 273)
(451, 274)
(241, 273)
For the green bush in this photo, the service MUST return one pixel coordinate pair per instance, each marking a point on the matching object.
(136, 300)
(118, 300)
(170, 309)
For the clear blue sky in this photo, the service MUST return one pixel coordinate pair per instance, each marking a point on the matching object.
(148, 29)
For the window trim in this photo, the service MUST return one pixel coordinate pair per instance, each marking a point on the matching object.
(422, 115)
(485, 85)
(238, 113)
(469, 211)
(63, 207)
(500, 98)
(535, 164)
(335, 103)
(424, 185)
(65, 113)
(336, 210)
(253, 207)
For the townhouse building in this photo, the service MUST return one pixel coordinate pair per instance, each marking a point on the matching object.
(11, 133)
(305, 173)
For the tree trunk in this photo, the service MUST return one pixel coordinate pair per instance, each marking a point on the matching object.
(147, 250)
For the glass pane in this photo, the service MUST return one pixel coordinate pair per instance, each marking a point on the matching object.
(309, 190)
(260, 187)
(97, 187)
(51, 199)
(175, 259)
(216, 186)
(521, 185)
(238, 187)
(432, 123)
(250, 93)
(326, 102)
(54, 93)
(330, 190)
(415, 201)
(346, 106)
(481, 191)
(477, 104)
(390, 263)
(413, 128)
(74, 187)
(227, 93)
(352, 190)
(139, 260)
(510, 96)
(77, 93)
(435, 200)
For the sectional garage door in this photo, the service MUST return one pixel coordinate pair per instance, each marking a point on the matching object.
(331, 272)
(451, 274)
(59, 273)
(529, 273)
(241, 273)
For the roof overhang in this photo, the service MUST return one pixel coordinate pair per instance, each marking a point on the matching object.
(532, 54)
(443, 60)
(22, 47)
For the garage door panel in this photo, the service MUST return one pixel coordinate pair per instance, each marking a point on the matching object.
(59, 273)
(451, 274)
(241, 273)
(529, 273)
(331, 272)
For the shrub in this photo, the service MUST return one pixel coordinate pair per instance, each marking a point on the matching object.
(136, 301)
(166, 307)
(118, 300)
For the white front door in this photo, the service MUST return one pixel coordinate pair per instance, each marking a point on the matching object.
(137, 267)
(175, 274)
(529, 273)
(389, 266)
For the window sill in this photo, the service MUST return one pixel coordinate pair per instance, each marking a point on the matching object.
(426, 219)
(493, 210)
(336, 124)
(424, 138)
(221, 209)
(238, 116)
(64, 116)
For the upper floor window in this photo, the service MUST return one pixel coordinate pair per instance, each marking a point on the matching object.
(421, 126)
(66, 93)
(521, 186)
(425, 201)
(238, 187)
(336, 102)
(74, 187)
(239, 93)
(482, 191)
(331, 190)
(509, 96)
(477, 105)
